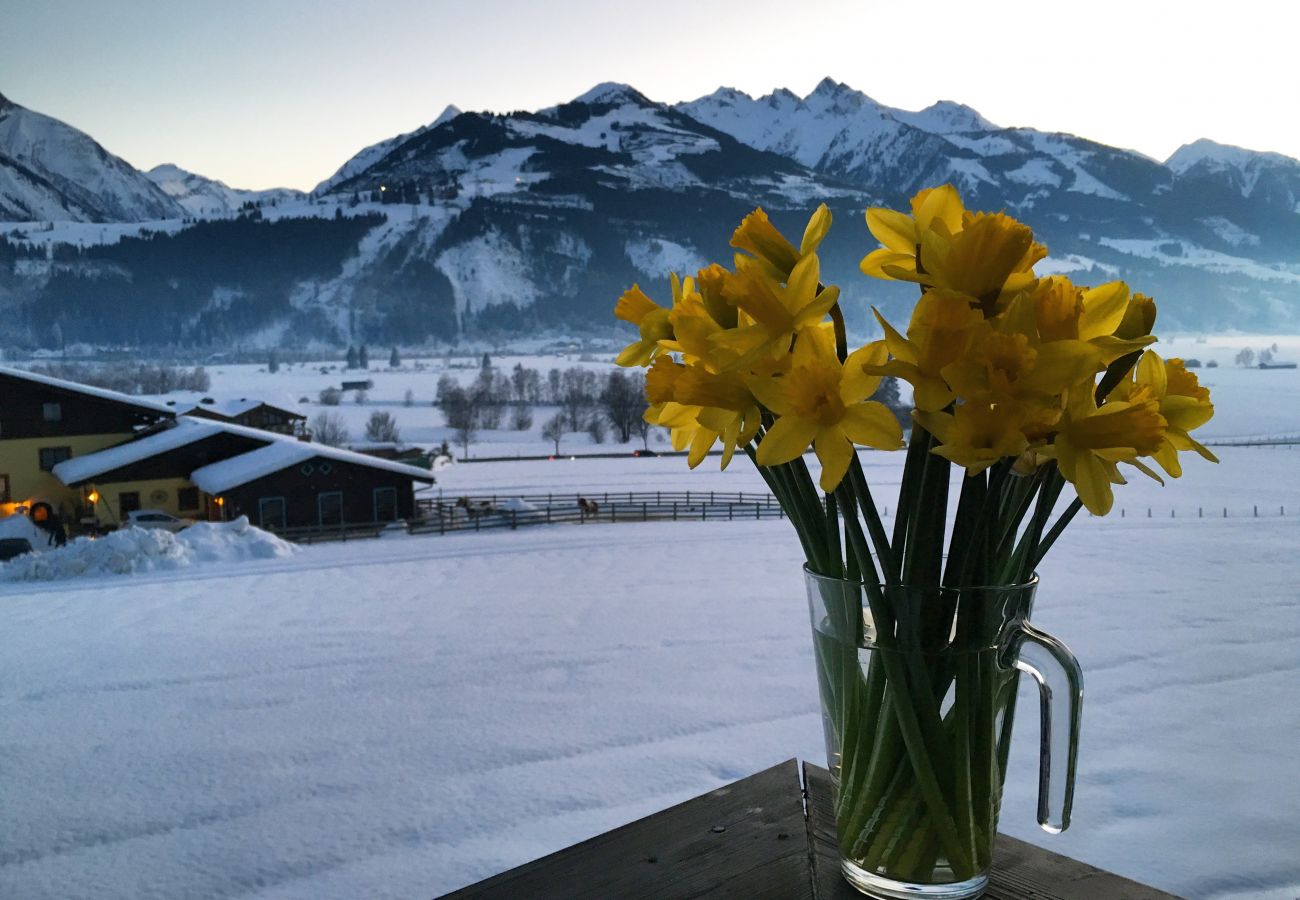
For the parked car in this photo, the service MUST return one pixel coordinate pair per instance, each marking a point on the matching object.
(644, 453)
(156, 518)
(11, 547)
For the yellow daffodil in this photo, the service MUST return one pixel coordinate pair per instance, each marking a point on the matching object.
(824, 403)
(976, 434)
(1139, 318)
(1184, 404)
(651, 320)
(991, 258)
(900, 234)
(1013, 365)
(701, 407)
(758, 236)
(777, 311)
(942, 325)
(1065, 312)
(1092, 440)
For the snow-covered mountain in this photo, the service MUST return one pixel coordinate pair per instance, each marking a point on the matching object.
(1269, 178)
(491, 224)
(372, 154)
(52, 171)
(202, 196)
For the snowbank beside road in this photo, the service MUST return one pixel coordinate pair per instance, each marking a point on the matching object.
(147, 550)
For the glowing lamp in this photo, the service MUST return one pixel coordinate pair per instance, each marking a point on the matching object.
(93, 497)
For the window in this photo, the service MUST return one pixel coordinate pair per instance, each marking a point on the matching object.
(271, 513)
(127, 503)
(330, 507)
(187, 498)
(385, 504)
(52, 412)
(52, 456)
(4, 488)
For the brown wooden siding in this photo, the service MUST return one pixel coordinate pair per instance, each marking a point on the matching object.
(301, 490)
(22, 412)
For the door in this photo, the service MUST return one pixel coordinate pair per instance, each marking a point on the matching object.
(385, 504)
(127, 503)
(271, 513)
(330, 508)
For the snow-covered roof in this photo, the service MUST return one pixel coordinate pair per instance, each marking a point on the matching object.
(87, 390)
(221, 476)
(230, 406)
(185, 431)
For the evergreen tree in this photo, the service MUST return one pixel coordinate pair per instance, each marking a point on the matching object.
(352, 357)
(272, 363)
(363, 358)
(394, 359)
(487, 362)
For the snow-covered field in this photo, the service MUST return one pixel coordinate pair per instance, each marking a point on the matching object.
(396, 718)
(1249, 402)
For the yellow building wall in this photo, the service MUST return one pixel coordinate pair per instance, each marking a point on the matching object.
(109, 502)
(21, 461)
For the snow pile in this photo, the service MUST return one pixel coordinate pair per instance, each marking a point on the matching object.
(515, 504)
(131, 550)
(19, 526)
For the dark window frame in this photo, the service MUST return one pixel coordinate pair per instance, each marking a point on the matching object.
(186, 493)
(320, 511)
(375, 503)
(53, 407)
(262, 503)
(4, 487)
(124, 507)
(49, 457)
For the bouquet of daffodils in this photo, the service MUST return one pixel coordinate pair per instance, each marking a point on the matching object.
(1027, 383)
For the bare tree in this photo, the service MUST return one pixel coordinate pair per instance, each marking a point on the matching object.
(409, 399)
(521, 417)
(330, 396)
(1245, 357)
(462, 410)
(1265, 356)
(596, 428)
(328, 428)
(554, 429)
(623, 400)
(382, 428)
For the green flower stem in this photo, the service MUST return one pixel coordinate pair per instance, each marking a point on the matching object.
(1066, 517)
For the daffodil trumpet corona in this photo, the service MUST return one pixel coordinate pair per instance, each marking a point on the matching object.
(1030, 384)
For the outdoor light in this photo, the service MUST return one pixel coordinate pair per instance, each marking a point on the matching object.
(93, 497)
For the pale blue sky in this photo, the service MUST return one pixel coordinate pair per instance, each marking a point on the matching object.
(262, 93)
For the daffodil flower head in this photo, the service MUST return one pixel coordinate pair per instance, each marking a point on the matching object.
(824, 403)
(651, 320)
(976, 434)
(772, 312)
(1183, 402)
(942, 326)
(1091, 441)
(758, 236)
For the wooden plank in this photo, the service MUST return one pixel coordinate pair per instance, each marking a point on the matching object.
(747, 839)
(1021, 871)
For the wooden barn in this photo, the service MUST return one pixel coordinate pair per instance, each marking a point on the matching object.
(296, 484)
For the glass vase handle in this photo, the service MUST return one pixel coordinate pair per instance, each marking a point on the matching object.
(1060, 689)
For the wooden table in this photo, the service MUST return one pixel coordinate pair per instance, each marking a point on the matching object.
(766, 836)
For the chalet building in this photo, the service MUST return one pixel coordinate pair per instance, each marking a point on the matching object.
(250, 412)
(92, 456)
(45, 421)
(207, 469)
(296, 484)
(152, 471)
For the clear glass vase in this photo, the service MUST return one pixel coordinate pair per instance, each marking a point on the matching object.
(918, 690)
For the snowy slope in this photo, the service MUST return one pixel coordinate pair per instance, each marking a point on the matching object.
(375, 152)
(1269, 177)
(50, 170)
(206, 196)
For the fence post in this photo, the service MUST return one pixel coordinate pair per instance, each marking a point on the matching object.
(645, 512)
(674, 510)
(1256, 510)
(1198, 513)
(606, 496)
(1148, 512)
(477, 519)
(1121, 512)
(731, 508)
(758, 511)
(514, 519)
(1225, 512)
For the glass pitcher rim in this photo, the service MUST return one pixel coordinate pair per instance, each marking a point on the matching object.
(1021, 586)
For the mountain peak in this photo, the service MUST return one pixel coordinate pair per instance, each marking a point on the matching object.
(836, 96)
(6, 103)
(613, 92)
(451, 112)
(1216, 155)
(945, 117)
